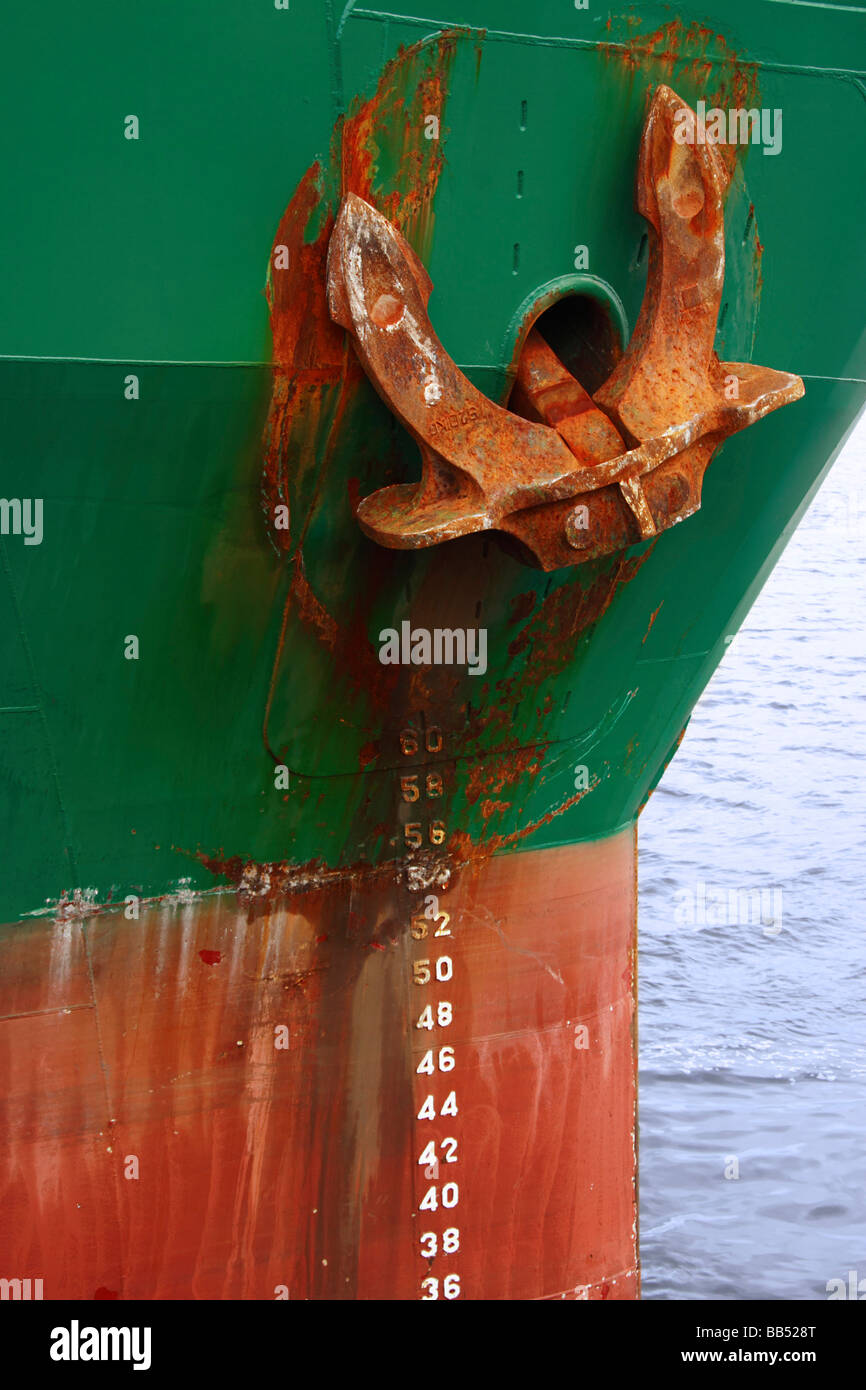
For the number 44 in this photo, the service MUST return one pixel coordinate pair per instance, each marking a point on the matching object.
(428, 1109)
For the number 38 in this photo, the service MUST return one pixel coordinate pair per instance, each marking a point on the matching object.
(430, 1242)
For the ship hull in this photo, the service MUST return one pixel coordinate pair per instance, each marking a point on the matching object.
(229, 1098)
(220, 799)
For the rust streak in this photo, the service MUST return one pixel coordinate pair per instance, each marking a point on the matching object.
(653, 615)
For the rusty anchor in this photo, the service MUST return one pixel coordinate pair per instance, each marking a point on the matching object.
(569, 475)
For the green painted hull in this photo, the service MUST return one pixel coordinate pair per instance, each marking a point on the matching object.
(150, 257)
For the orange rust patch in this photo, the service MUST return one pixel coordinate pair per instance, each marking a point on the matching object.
(316, 377)
(695, 53)
(304, 336)
(368, 754)
(465, 851)
(389, 119)
(653, 617)
(567, 612)
(311, 612)
(496, 772)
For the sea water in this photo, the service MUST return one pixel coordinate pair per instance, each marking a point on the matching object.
(753, 1029)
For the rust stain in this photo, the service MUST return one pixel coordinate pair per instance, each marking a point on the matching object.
(692, 54)
(262, 884)
(376, 152)
(267, 880)
(566, 613)
(309, 610)
(465, 850)
(307, 351)
(385, 129)
(368, 753)
(653, 615)
(551, 635)
(303, 335)
(495, 772)
(521, 606)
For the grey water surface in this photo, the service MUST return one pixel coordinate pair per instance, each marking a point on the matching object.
(753, 986)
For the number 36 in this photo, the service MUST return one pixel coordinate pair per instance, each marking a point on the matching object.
(450, 1287)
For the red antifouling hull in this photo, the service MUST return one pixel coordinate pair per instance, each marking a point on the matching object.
(350, 1092)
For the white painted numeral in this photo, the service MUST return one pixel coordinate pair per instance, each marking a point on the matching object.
(444, 929)
(428, 1065)
(430, 1242)
(428, 1156)
(450, 1287)
(444, 969)
(428, 1109)
(444, 1015)
(430, 1200)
